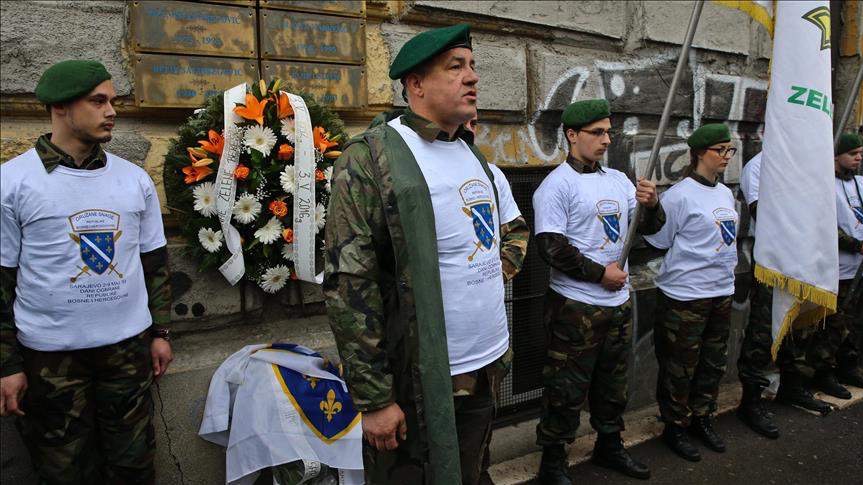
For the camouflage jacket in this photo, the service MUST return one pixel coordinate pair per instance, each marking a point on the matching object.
(154, 264)
(382, 286)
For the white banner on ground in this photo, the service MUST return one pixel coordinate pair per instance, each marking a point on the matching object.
(226, 185)
(795, 243)
(304, 195)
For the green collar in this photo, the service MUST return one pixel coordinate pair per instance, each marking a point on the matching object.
(702, 180)
(582, 167)
(52, 156)
(429, 130)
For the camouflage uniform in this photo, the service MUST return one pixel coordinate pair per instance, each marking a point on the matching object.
(838, 342)
(372, 287)
(691, 339)
(88, 412)
(588, 345)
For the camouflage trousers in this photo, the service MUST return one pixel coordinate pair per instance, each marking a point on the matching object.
(691, 340)
(89, 414)
(474, 399)
(755, 361)
(837, 344)
(588, 358)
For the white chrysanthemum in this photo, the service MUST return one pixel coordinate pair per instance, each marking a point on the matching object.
(288, 129)
(271, 231)
(288, 251)
(205, 198)
(320, 216)
(246, 209)
(274, 279)
(328, 174)
(260, 138)
(210, 240)
(288, 179)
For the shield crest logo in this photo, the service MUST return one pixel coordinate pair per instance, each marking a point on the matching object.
(608, 212)
(483, 223)
(858, 213)
(97, 250)
(478, 205)
(726, 220)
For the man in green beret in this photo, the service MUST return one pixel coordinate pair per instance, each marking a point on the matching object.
(582, 212)
(419, 240)
(834, 351)
(85, 295)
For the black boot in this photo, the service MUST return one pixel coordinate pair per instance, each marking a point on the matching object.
(553, 469)
(851, 377)
(753, 412)
(610, 453)
(794, 394)
(675, 437)
(702, 427)
(826, 382)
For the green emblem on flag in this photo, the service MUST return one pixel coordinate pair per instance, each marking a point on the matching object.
(821, 18)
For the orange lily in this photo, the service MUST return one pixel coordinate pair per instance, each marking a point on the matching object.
(215, 144)
(196, 174)
(285, 108)
(322, 143)
(199, 157)
(286, 152)
(253, 110)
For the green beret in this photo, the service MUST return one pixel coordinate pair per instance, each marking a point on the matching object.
(426, 45)
(709, 134)
(582, 113)
(68, 80)
(848, 142)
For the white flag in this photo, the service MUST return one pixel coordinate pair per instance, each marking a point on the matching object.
(795, 246)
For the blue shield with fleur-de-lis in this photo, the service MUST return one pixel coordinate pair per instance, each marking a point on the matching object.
(728, 228)
(483, 223)
(858, 213)
(323, 405)
(611, 226)
(97, 250)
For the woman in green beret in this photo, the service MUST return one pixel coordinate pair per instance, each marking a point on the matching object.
(696, 282)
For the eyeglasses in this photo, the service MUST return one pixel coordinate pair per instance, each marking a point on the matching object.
(725, 152)
(599, 132)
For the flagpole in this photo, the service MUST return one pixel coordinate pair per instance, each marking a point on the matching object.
(663, 123)
(846, 113)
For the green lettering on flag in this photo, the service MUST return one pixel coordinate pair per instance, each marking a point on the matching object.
(814, 99)
(798, 92)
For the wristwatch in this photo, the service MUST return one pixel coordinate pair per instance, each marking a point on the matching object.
(161, 332)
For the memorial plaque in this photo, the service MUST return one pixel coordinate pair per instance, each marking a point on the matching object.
(310, 37)
(335, 86)
(243, 3)
(193, 28)
(184, 81)
(356, 8)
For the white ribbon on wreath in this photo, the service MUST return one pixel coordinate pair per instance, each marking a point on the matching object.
(226, 185)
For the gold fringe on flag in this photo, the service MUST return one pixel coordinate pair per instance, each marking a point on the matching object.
(803, 292)
(758, 13)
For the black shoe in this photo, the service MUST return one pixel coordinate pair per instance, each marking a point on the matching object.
(826, 382)
(610, 453)
(675, 437)
(753, 412)
(799, 396)
(851, 377)
(553, 469)
(702, 427)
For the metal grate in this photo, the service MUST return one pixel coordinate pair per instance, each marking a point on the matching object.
(522, 389)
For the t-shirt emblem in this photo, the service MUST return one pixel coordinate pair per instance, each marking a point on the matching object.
(479, 207)
(608, 212)
(95, 231)
(726, 221)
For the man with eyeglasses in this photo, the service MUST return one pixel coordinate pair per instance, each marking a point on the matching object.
(582, 213)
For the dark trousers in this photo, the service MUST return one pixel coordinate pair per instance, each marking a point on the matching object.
(89, 414)
(691, 340)
(837, 343)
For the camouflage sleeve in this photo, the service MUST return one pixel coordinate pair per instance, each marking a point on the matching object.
(652, 220)
(10, 358)
(555, 250)
(157, 279)
(355, 230)
(513, 246)
(848, 244)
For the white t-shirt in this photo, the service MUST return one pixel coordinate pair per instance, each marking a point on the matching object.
(468, 242)
(749, 180)
(849, 211)
(592, 210)
(701, 231)
(76, 237)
